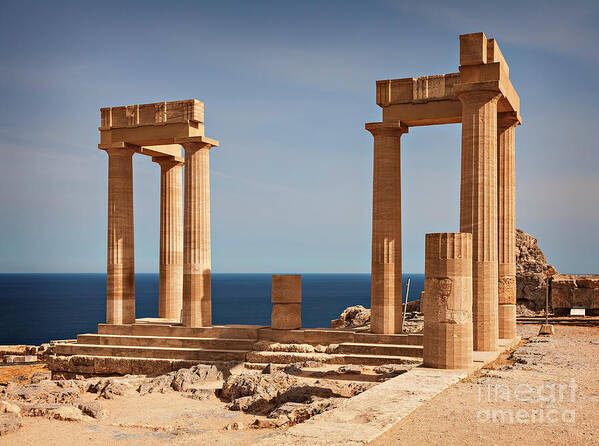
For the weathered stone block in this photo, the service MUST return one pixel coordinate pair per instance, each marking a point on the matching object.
(286, 288)
(473, 49)
(286, 316)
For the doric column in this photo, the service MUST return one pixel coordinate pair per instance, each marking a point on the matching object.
(197, 303)
(478, 208)
(120, 274)
(386, 280)
(170, 287)
(506, 190)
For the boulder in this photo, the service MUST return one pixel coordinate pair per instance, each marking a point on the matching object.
(110, 388)
(262, 393)
(6, 407)
(183, 380)
(92, 409)
(356, 316)
(291, 413)
(67, 413)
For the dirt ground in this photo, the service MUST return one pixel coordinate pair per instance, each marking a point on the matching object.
(153, 419)
(548, 393)
(9, 372)
(150, 420)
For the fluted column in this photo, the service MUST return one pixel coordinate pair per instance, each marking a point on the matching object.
(506, 189)
(478, 208)
(386, 280)
(197, 303)
(120, 271)
(170, 299)
(447, 301)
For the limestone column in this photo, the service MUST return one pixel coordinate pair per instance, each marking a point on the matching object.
(197, 303)
(478, 208)
(386, 280)
(447, 301)
(506, 189)
(120, 271)
(170, 287)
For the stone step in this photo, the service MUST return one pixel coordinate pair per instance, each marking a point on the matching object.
(149, 352)
(306, 336)
(380, 349)
(66, 367)
(166, 341)
(336, 336)
(379, 359)
(400, 339)
(216, 331)
(360, 359)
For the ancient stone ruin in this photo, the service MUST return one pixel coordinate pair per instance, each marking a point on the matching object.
(470, 276)
(482, 98)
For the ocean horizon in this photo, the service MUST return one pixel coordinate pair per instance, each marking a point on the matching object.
(39, 307)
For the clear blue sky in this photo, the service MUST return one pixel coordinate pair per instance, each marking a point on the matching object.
(287, 87)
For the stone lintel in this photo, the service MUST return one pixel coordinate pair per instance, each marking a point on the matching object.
(447, 111)
(416, 90)
(168, 150)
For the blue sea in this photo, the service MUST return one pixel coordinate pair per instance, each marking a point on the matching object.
(36, 308)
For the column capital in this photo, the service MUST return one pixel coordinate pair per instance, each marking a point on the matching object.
(120, 148)
(386, 128)
(196, 142)
(507, 120)
(168, 161)
(468, 93)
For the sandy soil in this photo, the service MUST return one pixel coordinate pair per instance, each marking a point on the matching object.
(479, 410)
(153, 419)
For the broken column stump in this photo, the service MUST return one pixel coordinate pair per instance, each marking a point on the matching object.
(287, 301)
(447, 301)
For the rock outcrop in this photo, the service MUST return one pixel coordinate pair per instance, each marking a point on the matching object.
(575, 291)
(532, 272)
(261, 394)
(356, 316)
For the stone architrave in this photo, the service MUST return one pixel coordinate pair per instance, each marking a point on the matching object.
(386, 272)
(287, 301)
(170, 296)
(506, 192)
(120, 277)
(478, 207)
(447, 301)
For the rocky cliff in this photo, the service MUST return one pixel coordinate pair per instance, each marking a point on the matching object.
(532, 272)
